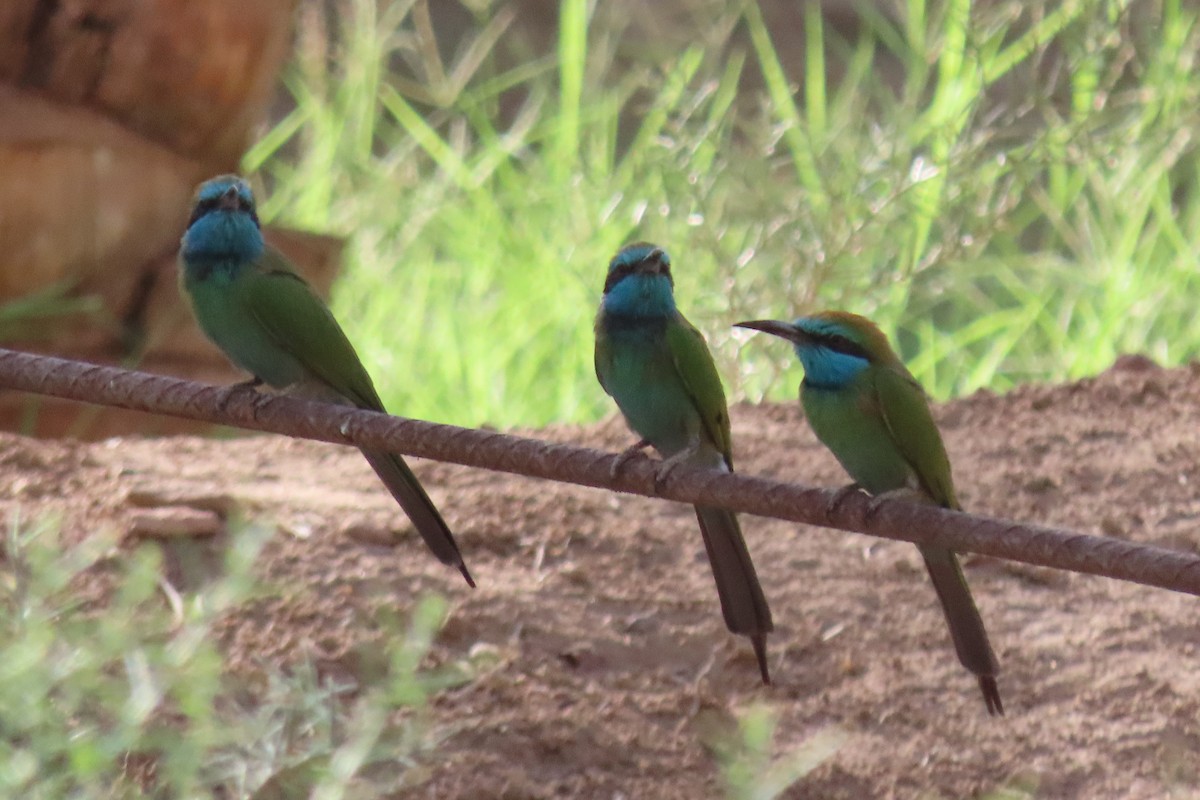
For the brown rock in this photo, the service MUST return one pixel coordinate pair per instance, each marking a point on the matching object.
(111, 112)
(193, 77)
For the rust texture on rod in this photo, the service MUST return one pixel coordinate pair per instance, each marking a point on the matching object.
(1032, 544)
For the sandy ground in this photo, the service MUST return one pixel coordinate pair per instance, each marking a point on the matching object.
(612, 661)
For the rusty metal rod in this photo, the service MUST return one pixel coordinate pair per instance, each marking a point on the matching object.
(896, 519)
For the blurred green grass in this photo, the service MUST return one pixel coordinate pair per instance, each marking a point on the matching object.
(116, 693)
(1009, 188)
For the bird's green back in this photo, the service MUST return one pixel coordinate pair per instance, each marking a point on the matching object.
(698, 372)
(292, 314)
(272, 324)
(906, 413)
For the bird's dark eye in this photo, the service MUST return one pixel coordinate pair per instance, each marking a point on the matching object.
(842, 344)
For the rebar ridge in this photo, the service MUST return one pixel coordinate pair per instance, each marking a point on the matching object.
(895, 519)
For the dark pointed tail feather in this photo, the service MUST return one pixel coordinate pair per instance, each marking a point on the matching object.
(759, 641)
(966, 626)
(409, 493)
(991, 695)
(742, 601)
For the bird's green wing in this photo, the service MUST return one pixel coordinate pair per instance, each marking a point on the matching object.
(696, 369)
(906, 413)
(298, 320)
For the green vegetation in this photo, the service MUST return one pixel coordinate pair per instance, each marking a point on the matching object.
(36, 315)
(1011, 189)
(112, 686)
(749, 768)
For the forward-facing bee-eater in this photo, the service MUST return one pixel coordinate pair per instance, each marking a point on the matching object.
(249, 300)
(659, 371)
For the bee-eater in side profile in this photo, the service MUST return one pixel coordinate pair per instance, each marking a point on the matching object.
(659, 371)
(249, 300)
(865, 406)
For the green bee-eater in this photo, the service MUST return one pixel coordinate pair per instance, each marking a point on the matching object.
(269, 322)
(658, 369)
(866, 407)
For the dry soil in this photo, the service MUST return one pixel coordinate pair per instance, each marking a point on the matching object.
(611, 661)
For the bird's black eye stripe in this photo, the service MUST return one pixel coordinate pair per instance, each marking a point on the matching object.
(210, 205)
(202, 208)
(616, 275)
(628, 268)
(841, 344)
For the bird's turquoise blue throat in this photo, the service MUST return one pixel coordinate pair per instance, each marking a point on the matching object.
(223, 234)
(825, 367)
(638, 295)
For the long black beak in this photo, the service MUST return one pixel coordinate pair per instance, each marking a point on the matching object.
(653, 264)
(230, 200)
(784, 330)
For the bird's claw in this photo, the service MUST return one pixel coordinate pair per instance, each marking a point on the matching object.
(626, 455)
(662, 473)
(226, 395)
(878, 500)
(873, 507)
(839, 497)
(668, 465)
